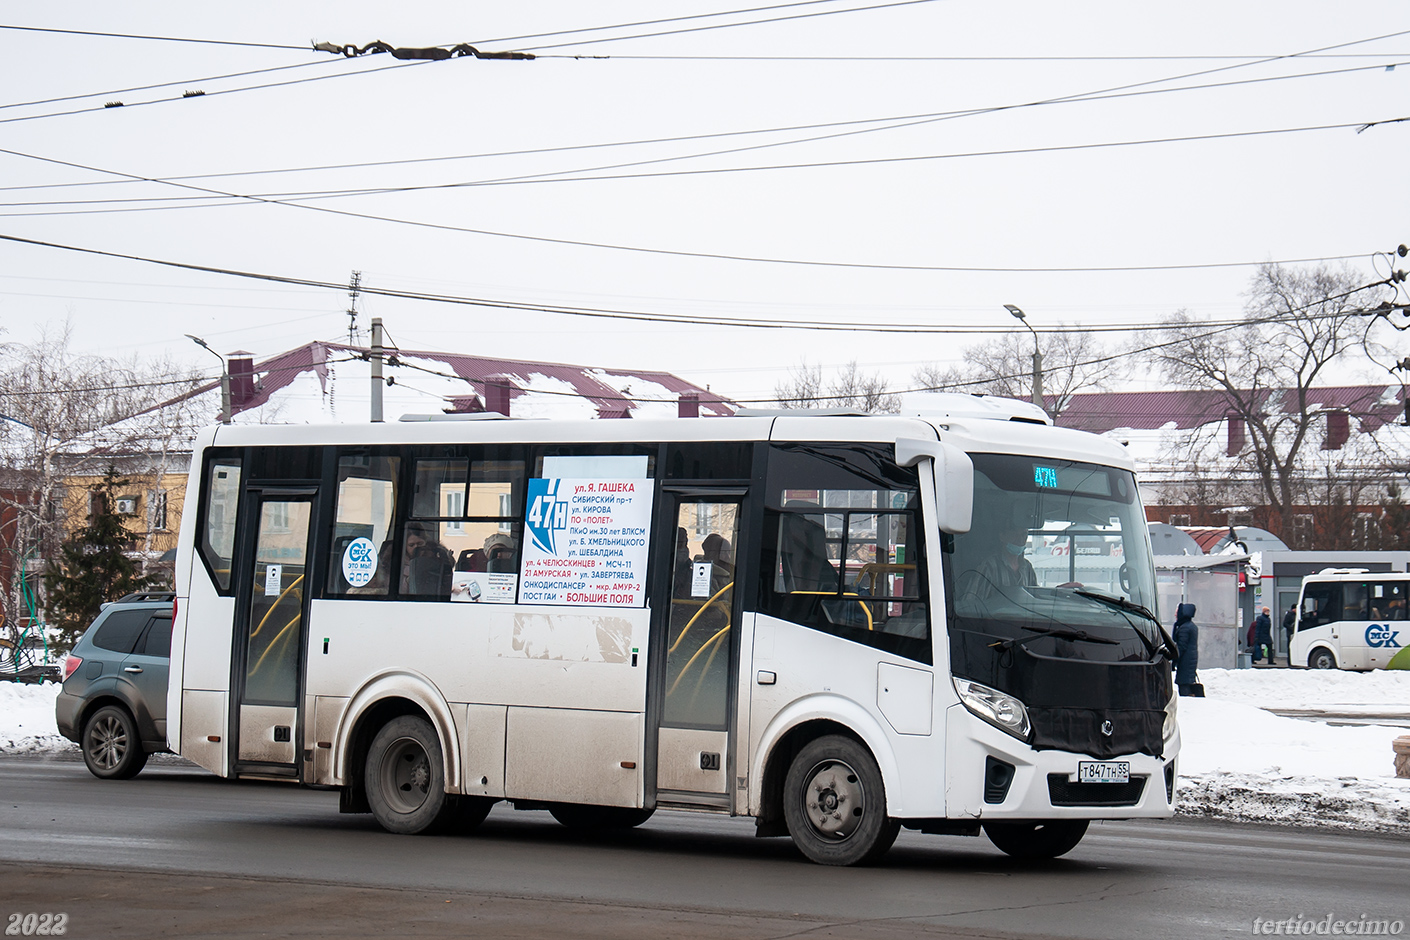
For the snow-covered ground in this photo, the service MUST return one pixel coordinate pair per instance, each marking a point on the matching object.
(1239, 761)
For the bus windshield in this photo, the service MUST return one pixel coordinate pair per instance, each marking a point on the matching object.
(1058, 560)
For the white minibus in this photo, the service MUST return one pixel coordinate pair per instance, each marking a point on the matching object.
(833, 624)
(1350, 618)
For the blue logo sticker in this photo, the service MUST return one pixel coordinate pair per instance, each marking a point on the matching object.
(1380, 635)
(547, 514)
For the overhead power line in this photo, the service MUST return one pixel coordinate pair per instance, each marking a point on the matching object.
(644, 316)
(212, 42)
(564, 175)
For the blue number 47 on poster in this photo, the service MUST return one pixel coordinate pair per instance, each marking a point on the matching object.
(548, 514)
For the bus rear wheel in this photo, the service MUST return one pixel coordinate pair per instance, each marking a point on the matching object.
(1036, 839)
(1321, 658)
(406, 780)
(835, 803)
(581, 816)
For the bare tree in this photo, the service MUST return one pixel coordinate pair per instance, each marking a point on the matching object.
(1299, 321)
(63, 414)
(849, 388)
(1073, 362)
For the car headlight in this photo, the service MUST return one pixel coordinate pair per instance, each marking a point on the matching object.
(1001, 710)
(1168, 731)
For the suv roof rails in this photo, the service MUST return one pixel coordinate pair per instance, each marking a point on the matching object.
(146, 596)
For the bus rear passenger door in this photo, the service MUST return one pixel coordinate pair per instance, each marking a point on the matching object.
(271, 615)
(695, 623)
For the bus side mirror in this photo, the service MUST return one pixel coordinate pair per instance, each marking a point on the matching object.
(954, 480)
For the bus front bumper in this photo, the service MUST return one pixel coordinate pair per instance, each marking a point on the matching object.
(993, 775)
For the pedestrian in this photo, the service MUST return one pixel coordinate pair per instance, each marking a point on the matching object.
(1263, 636)
(1186, 636)
(1290, 621)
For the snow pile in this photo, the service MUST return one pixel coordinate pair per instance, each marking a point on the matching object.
(1242, 762)
(27, 719)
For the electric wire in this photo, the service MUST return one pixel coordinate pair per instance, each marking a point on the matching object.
(562, 175)
(666, 318)
(712, 255)
(697, 29)
(213, 42)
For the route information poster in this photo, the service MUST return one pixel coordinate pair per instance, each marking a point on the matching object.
(587, 542)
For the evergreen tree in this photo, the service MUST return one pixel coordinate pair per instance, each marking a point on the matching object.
(92, 567)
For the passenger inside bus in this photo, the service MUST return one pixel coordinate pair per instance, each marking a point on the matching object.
(427, 566)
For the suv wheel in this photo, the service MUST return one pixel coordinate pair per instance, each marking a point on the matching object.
(112, 748)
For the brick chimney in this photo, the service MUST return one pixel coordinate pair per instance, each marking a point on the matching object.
(497, 389)
(242, 378)
(689, 405)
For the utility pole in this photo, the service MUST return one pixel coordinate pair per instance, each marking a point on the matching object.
(354, 288)
(376, 370)
(1037, 356)
(224, 377)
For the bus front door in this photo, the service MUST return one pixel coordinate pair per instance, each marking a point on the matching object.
(696, 626)
(270, 633)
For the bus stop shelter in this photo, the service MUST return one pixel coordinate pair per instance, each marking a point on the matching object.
(1211, 583)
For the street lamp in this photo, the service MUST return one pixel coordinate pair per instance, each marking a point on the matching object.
(1021, 317)
(224, 377)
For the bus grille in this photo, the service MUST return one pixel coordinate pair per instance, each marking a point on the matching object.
(1062, 792)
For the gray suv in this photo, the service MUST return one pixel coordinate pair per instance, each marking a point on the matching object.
(113, 704)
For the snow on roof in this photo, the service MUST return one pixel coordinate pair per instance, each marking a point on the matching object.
(1100, 412)
(330, 382)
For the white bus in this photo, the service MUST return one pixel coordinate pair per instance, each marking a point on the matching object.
(813, 620)
(1351, 618)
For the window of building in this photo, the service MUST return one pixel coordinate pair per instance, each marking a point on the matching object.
(1180, 518)
(1303, 527)
(156, 510)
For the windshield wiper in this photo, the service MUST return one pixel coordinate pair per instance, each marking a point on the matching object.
(1167, 645)
(1061, 634)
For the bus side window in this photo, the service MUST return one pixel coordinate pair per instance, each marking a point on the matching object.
(362, 546)
(1389, 599)
(1353, 601)
(222, 509)
(843, 547)
(1321, 604)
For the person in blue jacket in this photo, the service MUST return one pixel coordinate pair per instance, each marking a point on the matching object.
(1186, 636)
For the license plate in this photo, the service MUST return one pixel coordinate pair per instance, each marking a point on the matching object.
(1103, 771)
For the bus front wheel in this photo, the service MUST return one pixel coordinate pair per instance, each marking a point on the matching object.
(405, 778)
(835, 803)
(1037, 839)
(1321, 658)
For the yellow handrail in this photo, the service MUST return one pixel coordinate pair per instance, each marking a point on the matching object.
(865, 609)
(272, 643)
(703, 647)
(272, 607)
(718, 642)
(703, 607)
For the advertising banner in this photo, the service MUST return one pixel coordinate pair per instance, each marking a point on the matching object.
(586, 542)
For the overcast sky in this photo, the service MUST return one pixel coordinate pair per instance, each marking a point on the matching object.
(942, 167)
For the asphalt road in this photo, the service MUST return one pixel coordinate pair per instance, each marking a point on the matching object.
(178, 853)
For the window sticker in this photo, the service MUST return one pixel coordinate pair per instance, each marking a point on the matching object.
(484, 587)
(359, 562)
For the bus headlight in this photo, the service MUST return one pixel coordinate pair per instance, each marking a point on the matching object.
(1168, 731)
(1001, 710)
